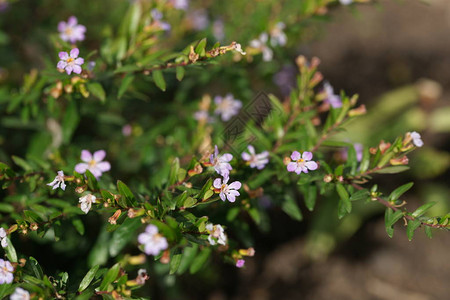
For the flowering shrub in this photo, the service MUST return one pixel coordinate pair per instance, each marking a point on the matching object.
(151, 198)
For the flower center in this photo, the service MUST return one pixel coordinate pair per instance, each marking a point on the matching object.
(68, 31)
(223, 187)
(92, 163)
(70, 59)
(300, 160)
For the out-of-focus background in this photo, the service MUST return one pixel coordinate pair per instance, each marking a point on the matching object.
(394, 54)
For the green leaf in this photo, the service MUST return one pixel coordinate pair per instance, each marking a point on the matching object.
(70, 121)
(110, 276)
(421, 210)
(290, 207)
(360, 195)
(88, 278)
(175, 261)
(392, 170)
(92, 181)
(159, 79)
(428, 231)
(79, 226)
(126, 81)
(123, 235)
(97, 90)
(412, 226)
(175, 168)
(200, 260)
(390, 218)
(180, 73)
(344, 205)
(311, 196)
(22, 163)
(11, 251)
(125, 191)
(200, 48)
(188, 256)
(35, 268)
(400, 191)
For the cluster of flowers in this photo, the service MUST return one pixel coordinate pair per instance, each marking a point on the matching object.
(92, 162)
(277, 38)
(226, 107)
(72, 32)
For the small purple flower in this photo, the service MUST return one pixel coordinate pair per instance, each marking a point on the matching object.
(203, 116)
(86, 202)
(127, 130)
(261, 44)
(227, 106)
(157, 19)
(240, 263)
(199, 19)
(218, 30)
(58, 181)
(180, 4)
(153, 242)
(91, 65)
(6, 272)
(71, 31)
(417, 139)
(301, 163)
(227, 191)
(332, 99)
(221, 163)
(277, 35)
(258, 161)
(93, 163)
(216, 234)
(20, 294)
(3, 237)
(70, 62)
(285, 79)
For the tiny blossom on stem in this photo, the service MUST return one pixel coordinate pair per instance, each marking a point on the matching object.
(4, 240)
(6, 272)
(216, 234)
(142, 276)
(203, 116)
(240, 263)
(227, 191)
(71, 31)
(153, 242)
(221, 163)
(258, 161)
(70, 63)
(198, 19)
(94, 163)
(157, 19)
(86, 202)
(358, 149)
(238, 48)
(227, 106)
(20, 294)
(301, 162)
(277, 35)
(261, 44)
(58, 181)
(332, 99)
(180, 4)
(417, 139)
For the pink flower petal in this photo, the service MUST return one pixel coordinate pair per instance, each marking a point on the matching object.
(104, 166)
(74, 52)
(251, 149)
(307, 155)
(69, 70)
(72, 21)
(226, 157)
(312, 165)
(217, 183)
(61, 65)
(77, 69)
(231, 197)
(63, 55)
(99, 155)
(79, 61)
(295, 155)
(235, 185)
(62, 26)
(222, 196)
(292, 166)
(86, 156)
(95, 171)
(81, 168)
(246, 156)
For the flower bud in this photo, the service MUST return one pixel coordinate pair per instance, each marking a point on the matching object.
(165, 258)
(113, 219)
(328, 178)
(361, 110)
(399, 161)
